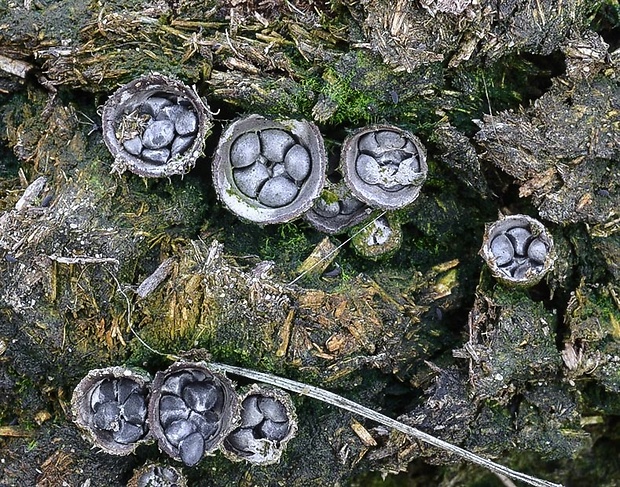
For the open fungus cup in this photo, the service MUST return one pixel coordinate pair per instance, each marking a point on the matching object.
(384, 166)
(377, 240)
(155, 126)
(268, 423)
(518, 250)
(268, 171)
(192, 409)
(110, 407)
(155, 475)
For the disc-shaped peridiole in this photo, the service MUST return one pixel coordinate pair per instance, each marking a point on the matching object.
(191, 411)
(336, 210)
(518, 250)
(110, 407)
(384, 166)
(155, 126)
(268, 423)
(154, 475)
(268, 171)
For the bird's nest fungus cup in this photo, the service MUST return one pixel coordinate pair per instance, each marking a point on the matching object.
(336, 210)
(268, 171)
(155, 126)
(191, 411)
(377, 240)
(110, 407)
(154, 475)
(518, 250)
(384, 166)
(268, 423)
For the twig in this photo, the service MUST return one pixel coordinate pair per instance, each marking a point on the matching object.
(84, 260)
(353, 407)
(14, 66)
(156, 278)
(505, 480)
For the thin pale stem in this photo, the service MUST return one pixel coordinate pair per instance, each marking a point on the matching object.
(353, 407)
(336, 249)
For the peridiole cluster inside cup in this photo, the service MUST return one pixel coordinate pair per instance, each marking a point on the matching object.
(518, 250)
(268, 171)
(191, 411)
(268, 423)
(155, 126)
(110, 406)
(384, 166)
(154, 475)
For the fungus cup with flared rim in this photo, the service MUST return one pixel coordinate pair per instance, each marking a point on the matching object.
(384, 166)
(191, 411)
(110, 407)
(155, 126)
(268, 423)
(267, 171)
(518, 250)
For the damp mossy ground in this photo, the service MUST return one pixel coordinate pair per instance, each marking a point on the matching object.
(383, 332)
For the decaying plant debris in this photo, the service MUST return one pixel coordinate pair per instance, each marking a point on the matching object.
(517, 103)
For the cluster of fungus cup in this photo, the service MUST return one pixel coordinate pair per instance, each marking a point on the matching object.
(268, 423)
(384, 166)
(154, 475)
(268, 171)
(336, 210)
(518, 250)
(191, 411)
(110, 407)
(155, 126)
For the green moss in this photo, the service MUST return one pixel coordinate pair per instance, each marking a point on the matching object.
(513, 81)
(599, 303)
(599, 399)
(358, 90)
(605, 18)
(288, 242)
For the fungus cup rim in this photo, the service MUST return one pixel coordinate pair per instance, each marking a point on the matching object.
(81, 398)
(371, 194)
(250, 209)
(272, 448)
(133, 481)
(536, 228)
(136, 92)
(341, 222)
(231, 415)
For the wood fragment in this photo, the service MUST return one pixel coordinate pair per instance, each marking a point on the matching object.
(14, 66)
(31, 193)
(156, 278)
(320, 258)
(14, 432)
(285, 334)
(362, 433)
